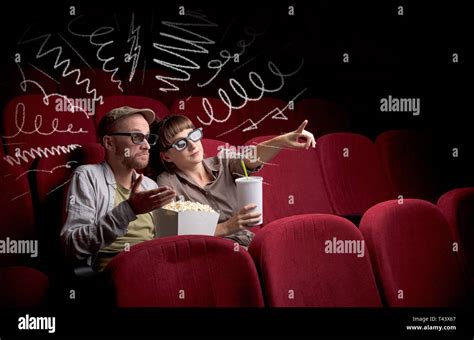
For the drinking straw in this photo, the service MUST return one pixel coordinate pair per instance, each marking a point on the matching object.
(245, 169)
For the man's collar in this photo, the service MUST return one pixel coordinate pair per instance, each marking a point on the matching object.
(109, 174)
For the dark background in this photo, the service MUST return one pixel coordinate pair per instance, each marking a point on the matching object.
(405, 56)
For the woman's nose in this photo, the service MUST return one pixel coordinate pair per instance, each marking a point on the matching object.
(191, 145)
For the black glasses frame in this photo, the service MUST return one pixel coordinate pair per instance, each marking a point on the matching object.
(138, 137)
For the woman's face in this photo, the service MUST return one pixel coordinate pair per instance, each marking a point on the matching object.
(189, 156)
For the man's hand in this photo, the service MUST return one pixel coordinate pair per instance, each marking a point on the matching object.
(238, 221)
(145, 201)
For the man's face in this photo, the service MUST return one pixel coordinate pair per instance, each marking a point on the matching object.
(131, 155)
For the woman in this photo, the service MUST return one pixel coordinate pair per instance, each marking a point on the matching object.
(179, 161)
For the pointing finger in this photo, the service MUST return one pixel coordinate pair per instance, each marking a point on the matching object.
(302, 126)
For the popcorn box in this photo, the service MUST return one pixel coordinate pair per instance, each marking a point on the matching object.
(171, 223)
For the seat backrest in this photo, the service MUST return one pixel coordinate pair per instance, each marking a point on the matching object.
(35, 129)
(411, 249)
(457, 207)
(22, 288)
(212, 146)
(352, 172)
(185, 271)
(407, 157)
(225, 127)
(315, 260)
(53, 173)
(52, 176)
(141, 102)
(2, 151)
(16, 213)
(292, 184)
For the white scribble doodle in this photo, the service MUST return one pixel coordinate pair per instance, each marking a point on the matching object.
(59, 186)
(33, 153)
(134, 54)
(227, 30)
(59, 62)
(218, 65)
(43, 73)
(21, 195)
(275, 112)
(193, 45)
(247, 62)
(67, 166)
(77, 53)
(71, 104)
(93, 37)
(38, 122)
(256, 80)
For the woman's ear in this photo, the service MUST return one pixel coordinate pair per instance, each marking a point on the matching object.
(164, 156)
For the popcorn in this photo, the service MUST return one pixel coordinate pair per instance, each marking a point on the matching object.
(187, 206)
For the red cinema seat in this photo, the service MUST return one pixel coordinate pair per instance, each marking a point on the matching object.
(407, 157)
(293, 184)
(22, 287)
(352, 172)
(224, 127)
(458, 207)
(52, 176)
(411, 249)
(140, 102)
(16, 213)
(302, 264)
(324, 115)
(54, 173)
(212, 146)
(185, 271)
(35, 129)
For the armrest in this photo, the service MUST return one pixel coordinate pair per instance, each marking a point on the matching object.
(85, 272)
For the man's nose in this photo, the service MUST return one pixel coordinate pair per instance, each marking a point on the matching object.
(145, 145)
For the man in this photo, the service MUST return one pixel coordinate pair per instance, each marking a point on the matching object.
(109, 205)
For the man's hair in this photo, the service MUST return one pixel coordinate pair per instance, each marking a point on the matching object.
(109, 120)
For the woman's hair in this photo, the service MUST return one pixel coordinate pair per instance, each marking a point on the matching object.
(166, 129)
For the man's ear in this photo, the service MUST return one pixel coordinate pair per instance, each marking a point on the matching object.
(164, 156)
(107, 142)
